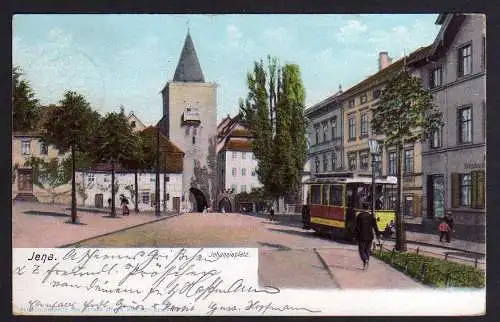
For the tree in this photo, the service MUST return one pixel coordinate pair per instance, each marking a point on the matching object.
(70, 127)
(140, 159)
(26, 110)
(406, 113)
(115, 143)
(274, 114)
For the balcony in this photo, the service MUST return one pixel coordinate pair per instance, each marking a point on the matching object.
(191, 116)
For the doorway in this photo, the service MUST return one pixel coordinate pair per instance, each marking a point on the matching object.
(435, 196)
(25, 180)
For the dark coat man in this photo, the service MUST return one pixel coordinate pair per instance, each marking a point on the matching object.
(365, 225)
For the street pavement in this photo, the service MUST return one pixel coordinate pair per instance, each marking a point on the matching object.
(46, 225)
(289, 257)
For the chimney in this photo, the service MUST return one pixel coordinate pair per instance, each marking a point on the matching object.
(383, 60)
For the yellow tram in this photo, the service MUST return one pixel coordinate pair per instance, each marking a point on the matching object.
(335, 199)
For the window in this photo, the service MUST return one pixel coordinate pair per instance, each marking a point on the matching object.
(26, 147)
(437, 139)
(351, 158)
(435, 77)
(465, 190)
(351, 103)
(409, 167)
(145, 197)
(325, 163)
(44, 149)
(234, 172)
(243, 188)
(364, 160)
(252, 187)
(364, 125)
(316, 129)
(465, 125)
(352, 128)
(333, 127)
(253, 172)
(132, 124)
(315, 194)
(392, 164)
(334, 161)
(465, 60)
(194, 140)
(90, 178)
(243, 172)
(325, 131)
(235, 155)
(243, 155)
(324, 193)
(233, 188)
(335, 195)
(363, 99)
(316, 164)
(376, 93)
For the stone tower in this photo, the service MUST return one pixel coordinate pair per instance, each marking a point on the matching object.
(190, 121)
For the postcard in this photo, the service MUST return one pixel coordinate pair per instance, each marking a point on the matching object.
(248, 165)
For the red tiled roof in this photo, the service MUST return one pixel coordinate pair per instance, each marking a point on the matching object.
(238, 145)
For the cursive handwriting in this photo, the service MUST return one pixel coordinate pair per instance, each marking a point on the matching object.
(172, 281)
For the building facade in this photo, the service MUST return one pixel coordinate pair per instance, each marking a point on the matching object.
(235, 161)
(454, 164)
(324, 136)
(94, 189)
(190, 122)
(24, 186)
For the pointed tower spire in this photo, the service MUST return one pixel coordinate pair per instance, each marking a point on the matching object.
(188, 69)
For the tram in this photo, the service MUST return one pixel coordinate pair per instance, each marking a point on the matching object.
(335, 199)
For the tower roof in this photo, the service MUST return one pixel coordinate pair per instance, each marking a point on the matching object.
(188, 69)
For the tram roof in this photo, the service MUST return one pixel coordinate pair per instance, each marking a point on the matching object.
(349, 178)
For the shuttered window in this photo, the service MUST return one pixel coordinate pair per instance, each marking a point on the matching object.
(478, 189)
(468, 189)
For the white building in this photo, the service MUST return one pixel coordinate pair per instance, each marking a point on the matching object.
(236, 163)
(95, 186)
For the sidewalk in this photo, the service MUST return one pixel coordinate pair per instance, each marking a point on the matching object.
(294, 219)
(346, 269)
(46, 226)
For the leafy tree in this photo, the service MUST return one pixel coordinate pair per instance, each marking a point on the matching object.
(26, 110)
(406, 113)
(141, 159)
(115, 143)
(274, 114)
(70, 127)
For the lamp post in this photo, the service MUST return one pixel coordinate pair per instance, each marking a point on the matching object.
(157, 179)
(373, 144)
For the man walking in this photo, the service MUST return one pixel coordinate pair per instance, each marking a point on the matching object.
(365, 225)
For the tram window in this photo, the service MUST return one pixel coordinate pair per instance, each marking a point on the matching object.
(335, 195)
(315, 194)
(325, 194)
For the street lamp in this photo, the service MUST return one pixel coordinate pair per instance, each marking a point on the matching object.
(157, 179)
(373, 144)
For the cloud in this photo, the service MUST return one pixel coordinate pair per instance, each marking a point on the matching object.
(58, 65)
(280, 37)
(351, 30)
(402, 39)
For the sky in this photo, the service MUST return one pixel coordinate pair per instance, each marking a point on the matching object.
(125, 60)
